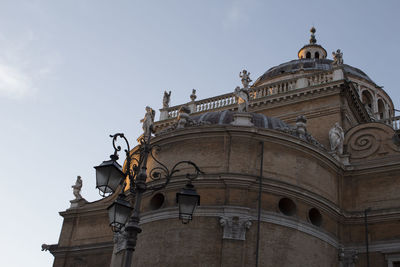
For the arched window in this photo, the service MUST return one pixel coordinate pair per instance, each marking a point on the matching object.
(316, 55)
(366, 99)
(381, 109)
(308, 55)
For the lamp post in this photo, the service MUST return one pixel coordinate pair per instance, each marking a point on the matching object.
(366, 232)
(109, 175)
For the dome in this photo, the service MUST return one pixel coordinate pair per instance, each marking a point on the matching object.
(311, 64)
(226, 117)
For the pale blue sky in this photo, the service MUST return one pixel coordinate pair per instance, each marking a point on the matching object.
(73, 72)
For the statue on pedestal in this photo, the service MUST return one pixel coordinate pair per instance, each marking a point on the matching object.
(337, 57)
(242, 96)
(193, 95)
(148, 121)
(77, 188)
(166, 99)
(336, 138)
(245, 78)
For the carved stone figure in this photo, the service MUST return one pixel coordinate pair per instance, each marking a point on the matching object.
(77, 188)
(148, 121)
(166, 99)
(337, 57)
(242, 96)
(245, 78)
(183, 117)
(193, 95)
(336, 138)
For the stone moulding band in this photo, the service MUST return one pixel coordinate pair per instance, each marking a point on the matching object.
(268, 217)
(273, 218)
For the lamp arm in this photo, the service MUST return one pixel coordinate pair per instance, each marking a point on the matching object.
(118, 148)
(157, 173)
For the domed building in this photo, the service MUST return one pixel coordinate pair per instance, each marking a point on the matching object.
(302, 168)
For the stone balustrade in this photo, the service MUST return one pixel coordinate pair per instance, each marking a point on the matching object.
(212, 103)
(226, 101)
(394, 122)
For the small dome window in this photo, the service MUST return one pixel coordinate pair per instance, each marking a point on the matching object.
(308, 55)
(316, 55)
(157, 201)
(287, 206)
(315, 217)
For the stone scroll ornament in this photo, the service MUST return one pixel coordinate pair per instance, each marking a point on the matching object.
(370, 140)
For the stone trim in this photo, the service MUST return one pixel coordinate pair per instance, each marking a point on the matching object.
(386, 247)
(232, 211)
(63, 250)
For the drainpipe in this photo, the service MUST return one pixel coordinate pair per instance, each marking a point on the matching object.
(259, 202)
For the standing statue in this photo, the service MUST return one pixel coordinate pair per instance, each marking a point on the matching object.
(242, 96)
(148, 121)
(245, 78)
(336, 138)
(337, 57)
(77, 188)
(166, 99)
(193, 95)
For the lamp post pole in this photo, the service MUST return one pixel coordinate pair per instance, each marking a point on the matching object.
(110, 175)
(366, 233)
(132, 227)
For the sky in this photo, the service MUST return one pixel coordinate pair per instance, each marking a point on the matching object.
(74, 72)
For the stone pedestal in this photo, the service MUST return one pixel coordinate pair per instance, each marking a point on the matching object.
(344, 159)
(338, 74)
(163, 114)
(301, 83)
(192, 107)
(76, 203)
(242, 119)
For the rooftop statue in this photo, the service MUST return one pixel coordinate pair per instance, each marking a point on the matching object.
(242, 96)
(193, 95)
(77, 188)
(166, 99)
(336, 138)
(337, 57)
(148, 121)
(183, 118)
(245, 78)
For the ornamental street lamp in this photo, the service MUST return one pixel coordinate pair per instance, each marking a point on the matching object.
(109, 175)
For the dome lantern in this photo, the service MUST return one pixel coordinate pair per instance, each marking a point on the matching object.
(312, 50)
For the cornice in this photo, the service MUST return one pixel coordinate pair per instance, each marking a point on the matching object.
(60, 251)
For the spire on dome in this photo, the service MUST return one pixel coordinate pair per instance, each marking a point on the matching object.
(312, 50)
(312, 38)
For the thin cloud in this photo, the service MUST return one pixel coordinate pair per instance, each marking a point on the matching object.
(13, 82)
(236, 13)
(19, 72)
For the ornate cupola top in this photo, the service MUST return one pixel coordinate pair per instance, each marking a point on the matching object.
(312, 50)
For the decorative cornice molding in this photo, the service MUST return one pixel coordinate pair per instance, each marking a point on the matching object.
(59, 251)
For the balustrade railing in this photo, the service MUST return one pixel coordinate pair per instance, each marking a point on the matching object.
(211, 103)
(394, 122)
(227, 100)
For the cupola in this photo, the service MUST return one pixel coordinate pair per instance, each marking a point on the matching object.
(312, 50)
